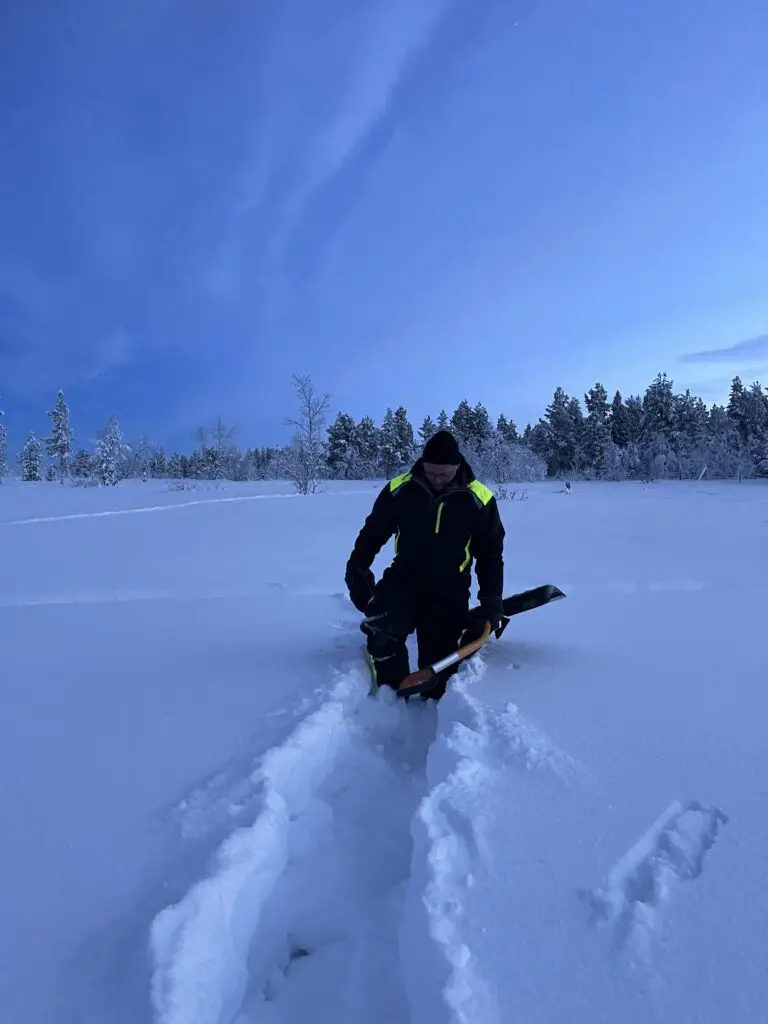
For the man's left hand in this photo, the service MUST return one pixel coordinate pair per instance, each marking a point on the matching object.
(492, 610)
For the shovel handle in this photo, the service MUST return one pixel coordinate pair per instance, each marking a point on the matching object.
(417, 679)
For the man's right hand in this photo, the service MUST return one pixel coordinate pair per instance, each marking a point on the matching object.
(360, 583)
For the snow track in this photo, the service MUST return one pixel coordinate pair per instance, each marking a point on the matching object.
(672, 851)
(341, 902)
(301, 910)
(374, 854)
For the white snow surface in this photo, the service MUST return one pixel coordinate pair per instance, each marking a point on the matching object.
(206, 820)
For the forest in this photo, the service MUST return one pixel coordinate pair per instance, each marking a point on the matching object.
(661, 434)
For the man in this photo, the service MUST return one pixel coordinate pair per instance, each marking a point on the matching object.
(442, 519)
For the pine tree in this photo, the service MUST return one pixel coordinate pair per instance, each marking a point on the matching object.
(659, 407)
(689, 434)
(577, 433)
(559, 443)
(367, 441)
(482, 428)
(737, 408)
(406, 445)
(598, 445)
(634, 418)
(176, 466)
(109, 454)
(341, 454)
(723, 444)
(596, 402)
(59, 444)
(30, 459)
(618, 421)
(157, 464)
(559, 437)
(443, 423)
(757, 423)
(506, 429)
(462, 423)
(390, 448)
(195, 465)
(82, 465)
(656, 444)
(427, 429)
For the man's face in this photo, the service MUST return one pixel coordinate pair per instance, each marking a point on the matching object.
(438, 477)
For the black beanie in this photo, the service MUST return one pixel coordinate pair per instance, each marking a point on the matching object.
(442, 449)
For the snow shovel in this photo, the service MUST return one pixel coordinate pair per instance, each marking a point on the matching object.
(422, 680)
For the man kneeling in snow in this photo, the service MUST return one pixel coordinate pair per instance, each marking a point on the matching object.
(442, 520)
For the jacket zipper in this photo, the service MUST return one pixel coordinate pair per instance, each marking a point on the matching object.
(439, 517)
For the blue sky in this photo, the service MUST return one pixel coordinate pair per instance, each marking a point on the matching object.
(415, 201)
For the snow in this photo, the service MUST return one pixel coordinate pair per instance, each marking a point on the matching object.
(207, 820)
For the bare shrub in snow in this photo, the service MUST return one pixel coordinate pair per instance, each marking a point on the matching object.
(504, 462)
(303, 461)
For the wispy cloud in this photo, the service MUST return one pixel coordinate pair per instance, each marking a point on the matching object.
(325, 94)
(753, 348)
(119, 349)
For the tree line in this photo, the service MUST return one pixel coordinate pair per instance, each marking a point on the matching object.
(659, 435)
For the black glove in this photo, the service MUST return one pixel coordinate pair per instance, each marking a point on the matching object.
(492, 610)
(360, 583)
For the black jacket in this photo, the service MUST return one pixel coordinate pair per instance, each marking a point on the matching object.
(437, 536)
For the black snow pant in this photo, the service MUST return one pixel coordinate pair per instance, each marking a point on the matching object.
(396, 611)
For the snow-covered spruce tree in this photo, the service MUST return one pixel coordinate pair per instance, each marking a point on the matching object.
(175, 466)
(560, 440)
(689, 435)
(462, 423)
(59, 444)
(600, 452)
(657, 454)
(397, 447)
(30, 460)
(3, 444)
(507, 429)
(110, 453)
(223, 454)
(427, 429)
(597, 444)
(405, 439)
(302, 461)
(748, 412)
(367, 442)
(82, 465)
(471, 425)
(580, 463)
(389, 448)
(341, 455)
(722, 444)
(157, 464)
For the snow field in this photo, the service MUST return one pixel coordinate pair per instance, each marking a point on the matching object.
(193, 770)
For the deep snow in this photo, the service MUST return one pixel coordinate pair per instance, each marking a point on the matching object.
(206, 819)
